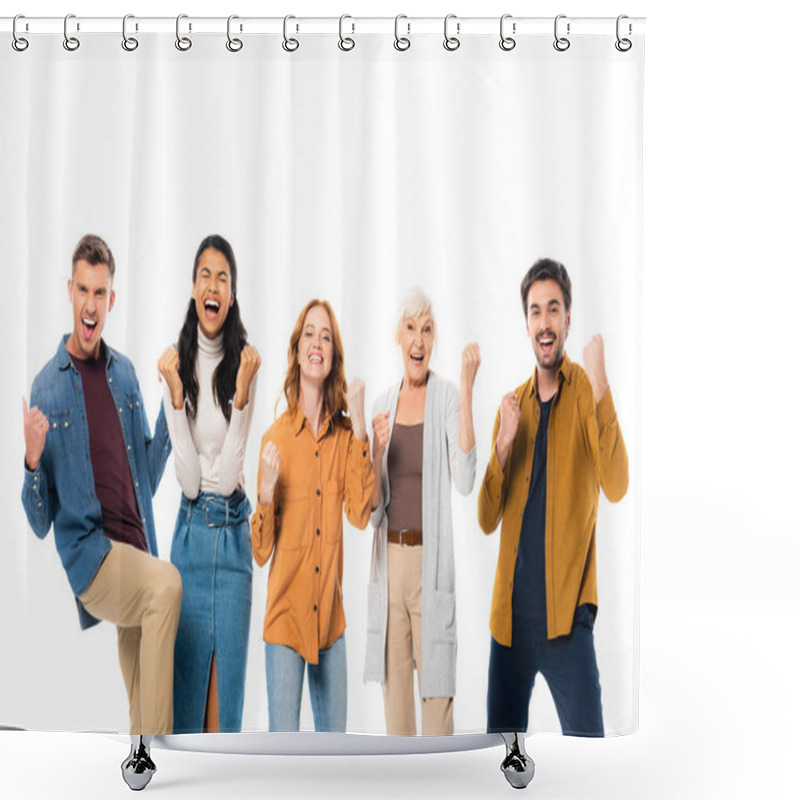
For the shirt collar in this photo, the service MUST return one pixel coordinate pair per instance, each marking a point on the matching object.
(564, 374)
(298, 420)
(64, 360)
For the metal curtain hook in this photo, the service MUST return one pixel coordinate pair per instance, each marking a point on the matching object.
(181, 42)
(561, 43)
(346, 43)
(623, 45)
(19, 43)
(233, 44)
(401, 43)
(129, 43)
(506, 42)
(289, 44)
(451, 42)
(70, 42)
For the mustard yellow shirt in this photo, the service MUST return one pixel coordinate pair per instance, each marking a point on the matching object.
(585, 451)
(301, 529)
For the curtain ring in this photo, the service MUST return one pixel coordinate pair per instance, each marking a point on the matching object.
(19, 43)
(401, 43)
(346, 43)
(623, 45)
(70, 42)
(289, 45)
(506, 42)
(233, 44)
(129, 43)
(183, 43)
(561, 43)
(451, 42)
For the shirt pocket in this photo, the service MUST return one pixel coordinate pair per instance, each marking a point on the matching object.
(60, 439)
(332, 500)
(133, 406)
(295, 511)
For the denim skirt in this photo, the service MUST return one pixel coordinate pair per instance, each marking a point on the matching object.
(211, 549)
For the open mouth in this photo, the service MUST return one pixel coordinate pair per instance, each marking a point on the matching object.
(211, 307)
(546, 343)
(418, 357)
(89, 326)
(315, 358)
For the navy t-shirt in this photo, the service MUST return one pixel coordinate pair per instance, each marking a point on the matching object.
(113, 483)
(529, 599)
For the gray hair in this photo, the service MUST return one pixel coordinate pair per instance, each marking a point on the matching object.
(414, 303)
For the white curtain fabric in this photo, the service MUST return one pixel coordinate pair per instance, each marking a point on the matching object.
(349, 176)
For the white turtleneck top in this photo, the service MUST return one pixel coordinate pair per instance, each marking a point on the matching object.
(209, 450)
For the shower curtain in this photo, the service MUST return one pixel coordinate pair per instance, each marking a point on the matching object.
(347, 174)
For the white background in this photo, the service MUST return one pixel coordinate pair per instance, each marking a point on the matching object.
(719, 542)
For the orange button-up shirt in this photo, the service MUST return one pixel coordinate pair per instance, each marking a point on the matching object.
(301, 529)
(585, 451)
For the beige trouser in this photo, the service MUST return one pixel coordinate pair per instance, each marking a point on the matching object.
(404, 648)
(141, 595)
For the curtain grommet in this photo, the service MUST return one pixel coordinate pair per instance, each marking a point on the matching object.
(183, 43)
(234, 44)
(401, 43)
(451, 43)
(507, 43)
(19, 43)
(561, 43)
(71, 43)
(346, 43)
(129, 43)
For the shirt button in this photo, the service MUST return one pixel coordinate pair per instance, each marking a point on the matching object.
(40, 504)
(316, 453)
(510, 585)
(318, 492)
(120, 409)
(317, 531)
(137, 484)
(527, 477)
(129, 447)
(315, 606)
(363, 452)
(316, 569)
(111, 380)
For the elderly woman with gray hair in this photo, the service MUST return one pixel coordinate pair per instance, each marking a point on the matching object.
(423, 440)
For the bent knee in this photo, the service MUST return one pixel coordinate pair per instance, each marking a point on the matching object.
(168, 590)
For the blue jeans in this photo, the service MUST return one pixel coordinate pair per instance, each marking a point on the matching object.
(567, 663)
(327, 685)
(211, 549)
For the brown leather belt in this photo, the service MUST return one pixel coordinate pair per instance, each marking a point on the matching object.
(406, 537)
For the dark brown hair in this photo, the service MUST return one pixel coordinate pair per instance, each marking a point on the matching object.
(546, 269)
(93, 250)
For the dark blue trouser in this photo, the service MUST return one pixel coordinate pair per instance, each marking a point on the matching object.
(569, 666)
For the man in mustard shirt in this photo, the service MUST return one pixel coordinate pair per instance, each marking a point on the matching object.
(556, 443)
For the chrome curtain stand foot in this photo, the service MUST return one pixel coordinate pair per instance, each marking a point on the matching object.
(517, 766)
(138, 768)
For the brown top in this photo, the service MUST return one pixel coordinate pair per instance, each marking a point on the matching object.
(585, 452)
(302, 530)
(113, 483)
(404, 465)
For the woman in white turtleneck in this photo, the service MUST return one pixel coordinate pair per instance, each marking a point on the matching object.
(209, 386)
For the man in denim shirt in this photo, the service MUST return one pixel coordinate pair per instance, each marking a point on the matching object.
(91, 468)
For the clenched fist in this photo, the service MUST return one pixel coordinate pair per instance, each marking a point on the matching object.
(380, 435)
(270, 469)
(470, 361)
(594, 362)
(168, 370)
(355, 404)
(510, 414)
(35, 425)
(249, 363)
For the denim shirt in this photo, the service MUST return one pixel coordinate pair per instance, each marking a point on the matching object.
(61, 490)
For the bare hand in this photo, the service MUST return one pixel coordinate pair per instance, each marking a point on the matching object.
(355, 404)
(594, 362)
(270, 469)
(470, 361)
(510, 415)
(380, 435)
(35, 425)
(168, 369)
(248, 366)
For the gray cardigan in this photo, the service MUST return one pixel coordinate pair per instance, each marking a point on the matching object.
(442, 459)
